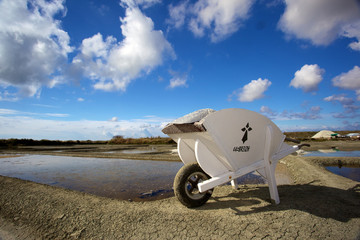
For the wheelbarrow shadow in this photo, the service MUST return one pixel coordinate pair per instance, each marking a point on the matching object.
(322, 201)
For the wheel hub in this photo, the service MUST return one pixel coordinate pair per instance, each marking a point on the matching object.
(191, 186)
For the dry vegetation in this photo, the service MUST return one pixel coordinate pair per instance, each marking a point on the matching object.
(306, 136)
(13, 142)
(148, 140)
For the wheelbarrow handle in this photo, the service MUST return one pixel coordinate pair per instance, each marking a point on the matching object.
(298, 142)
(303, 145)
(292, 140)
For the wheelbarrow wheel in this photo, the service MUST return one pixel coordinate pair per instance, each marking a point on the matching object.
(185, 186)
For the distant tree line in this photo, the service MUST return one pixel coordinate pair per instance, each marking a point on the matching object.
(14, 142)
(148, 140)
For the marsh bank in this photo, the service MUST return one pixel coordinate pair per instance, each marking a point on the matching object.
(318, 205)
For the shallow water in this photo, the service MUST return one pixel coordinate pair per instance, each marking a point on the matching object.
(133, 151)
(332, 153)
(138, 151)
(348, 172)
(115, 178)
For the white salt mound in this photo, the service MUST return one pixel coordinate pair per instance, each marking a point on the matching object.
(194, 116)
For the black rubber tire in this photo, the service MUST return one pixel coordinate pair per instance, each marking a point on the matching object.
(185, 186)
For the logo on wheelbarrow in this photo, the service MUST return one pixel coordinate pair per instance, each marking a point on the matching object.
(246, 130)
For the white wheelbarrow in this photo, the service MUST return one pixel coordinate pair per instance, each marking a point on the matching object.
(220, 146)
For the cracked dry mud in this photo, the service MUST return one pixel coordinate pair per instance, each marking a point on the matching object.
(318, 205)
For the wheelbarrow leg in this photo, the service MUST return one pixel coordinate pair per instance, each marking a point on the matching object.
(269, 168)
(234, 184)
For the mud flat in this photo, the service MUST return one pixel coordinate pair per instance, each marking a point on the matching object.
(318, 205)
(143, 152)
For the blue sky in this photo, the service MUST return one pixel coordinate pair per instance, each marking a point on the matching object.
(82, 69)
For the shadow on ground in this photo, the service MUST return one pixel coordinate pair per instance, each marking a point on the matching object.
(322, 201)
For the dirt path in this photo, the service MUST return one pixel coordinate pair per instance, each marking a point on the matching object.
(320, 205)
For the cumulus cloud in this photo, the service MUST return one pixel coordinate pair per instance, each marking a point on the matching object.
(322, 21)
(340, 98)
(308, 78)
(178, 14)
(113, 65)
(254, 90)
(350, 125)
(114, 119)
(349, 80)
(346, 114)
(177, 80)
(350, 108)
(268, 112)
(7, 96)
(33, 47)
(311, 114)
(218, 18)
(95, 47)
(353, 31)
(135, 3)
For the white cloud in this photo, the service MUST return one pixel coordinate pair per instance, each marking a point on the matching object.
(80, 99)
(308, 78)
(61, 115)
(351, 125)
(222, 18)
(7, 96)
(113, 65)
(136, 3)
(353, 31)
(177, 80)
(217, 17)
(114, 119)
(310, 114)
(267, 111)
(254, 90)
(33, 47)
(29, 127)
(349, 80)
(322, 21)
(340, 98)
(178, 14)
(4, 111)
(350, 108)
(95, 47)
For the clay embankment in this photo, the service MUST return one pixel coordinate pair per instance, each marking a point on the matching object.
(318, 205)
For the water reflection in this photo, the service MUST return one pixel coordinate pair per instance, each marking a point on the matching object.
(115, 178)
(348, 172)
(332, 153)
(138, 151)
